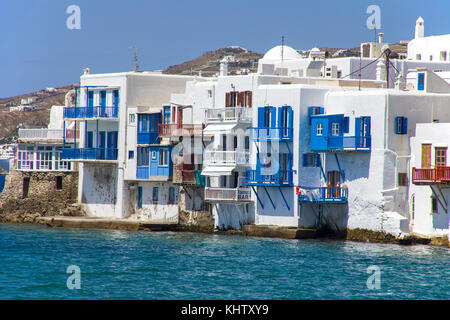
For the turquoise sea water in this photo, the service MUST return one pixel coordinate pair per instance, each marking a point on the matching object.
(144, 265)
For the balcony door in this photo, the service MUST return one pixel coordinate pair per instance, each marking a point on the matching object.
(103, 104)
(333, 181)
(101, 144)
(440, 157)
(426, 156)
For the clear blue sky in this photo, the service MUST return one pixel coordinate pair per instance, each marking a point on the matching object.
(38, 51)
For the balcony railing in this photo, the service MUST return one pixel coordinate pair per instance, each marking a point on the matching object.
(42, 161)
(142, 172)
(90, 154)
(219, 157)
(185, 130)
(229, 114)
(91, 112)
(240, 194)
(440, 174)
(271, 134)
(41, 134)
(259, 178)
(342, 143)
(147, 137)
(323, 194)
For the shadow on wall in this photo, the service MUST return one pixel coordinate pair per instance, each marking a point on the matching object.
(330, 216)
(277, 202)
(99, 185)
(441, 220)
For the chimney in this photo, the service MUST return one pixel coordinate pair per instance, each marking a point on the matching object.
(223, 68)
(380, 37)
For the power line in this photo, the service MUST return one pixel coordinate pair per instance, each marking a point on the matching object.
(362, 67)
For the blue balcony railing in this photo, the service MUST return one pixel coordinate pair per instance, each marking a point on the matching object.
(323, 194)
(270, 134)
(91, 112)
(341, 143)
(89, 154)
(259, 178)
(142, 172)
(151, 137)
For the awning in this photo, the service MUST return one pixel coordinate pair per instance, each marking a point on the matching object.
(217, 171)
(219, 127)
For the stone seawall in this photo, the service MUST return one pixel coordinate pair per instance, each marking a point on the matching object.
(28, 195)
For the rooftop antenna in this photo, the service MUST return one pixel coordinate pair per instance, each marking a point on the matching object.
(136, 66)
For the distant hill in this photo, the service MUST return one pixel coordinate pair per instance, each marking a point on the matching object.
(11, 121)
(207, 64)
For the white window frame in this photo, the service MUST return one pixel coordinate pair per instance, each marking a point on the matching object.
(319, 129)
(132, 118)
(164, 155)
(335, 129)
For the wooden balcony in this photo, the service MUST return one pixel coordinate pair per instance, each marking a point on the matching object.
(176, 130)
(437, 175)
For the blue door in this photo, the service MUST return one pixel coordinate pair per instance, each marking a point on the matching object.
(101, 145)
(112, 145)
(90, 106)
(90, 139)
(140, 197)
(102, 104)
(116, 103)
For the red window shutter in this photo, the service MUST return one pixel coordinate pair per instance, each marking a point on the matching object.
(227, 99)
(249, 99)
(240, 99)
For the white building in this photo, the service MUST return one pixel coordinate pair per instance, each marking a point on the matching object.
(429, 192)
(431, 48)
(40, 149)
(125, 168)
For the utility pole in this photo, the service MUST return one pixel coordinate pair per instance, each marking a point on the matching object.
(387, 53)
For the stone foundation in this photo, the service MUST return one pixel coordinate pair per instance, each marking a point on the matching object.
(42, 198)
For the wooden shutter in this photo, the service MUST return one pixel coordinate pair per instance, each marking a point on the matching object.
(227, 99)
(249, 103)
(426, 156)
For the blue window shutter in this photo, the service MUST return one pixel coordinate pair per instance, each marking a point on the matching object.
(317, 158)
(305, 159)
(261, 117)
(290, 117)
(357, 127)
(405, 125)
(346, 127)
(273, 117)
(321, 110)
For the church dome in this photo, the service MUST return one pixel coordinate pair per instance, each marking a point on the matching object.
(288, 53)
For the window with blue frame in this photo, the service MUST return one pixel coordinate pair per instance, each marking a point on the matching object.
(143, 156)
(311, 159)
(163, 157)
(319, 129)
(335, 129)
(312, 111)
(401, 125)
(171, 195)
(148, 128)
